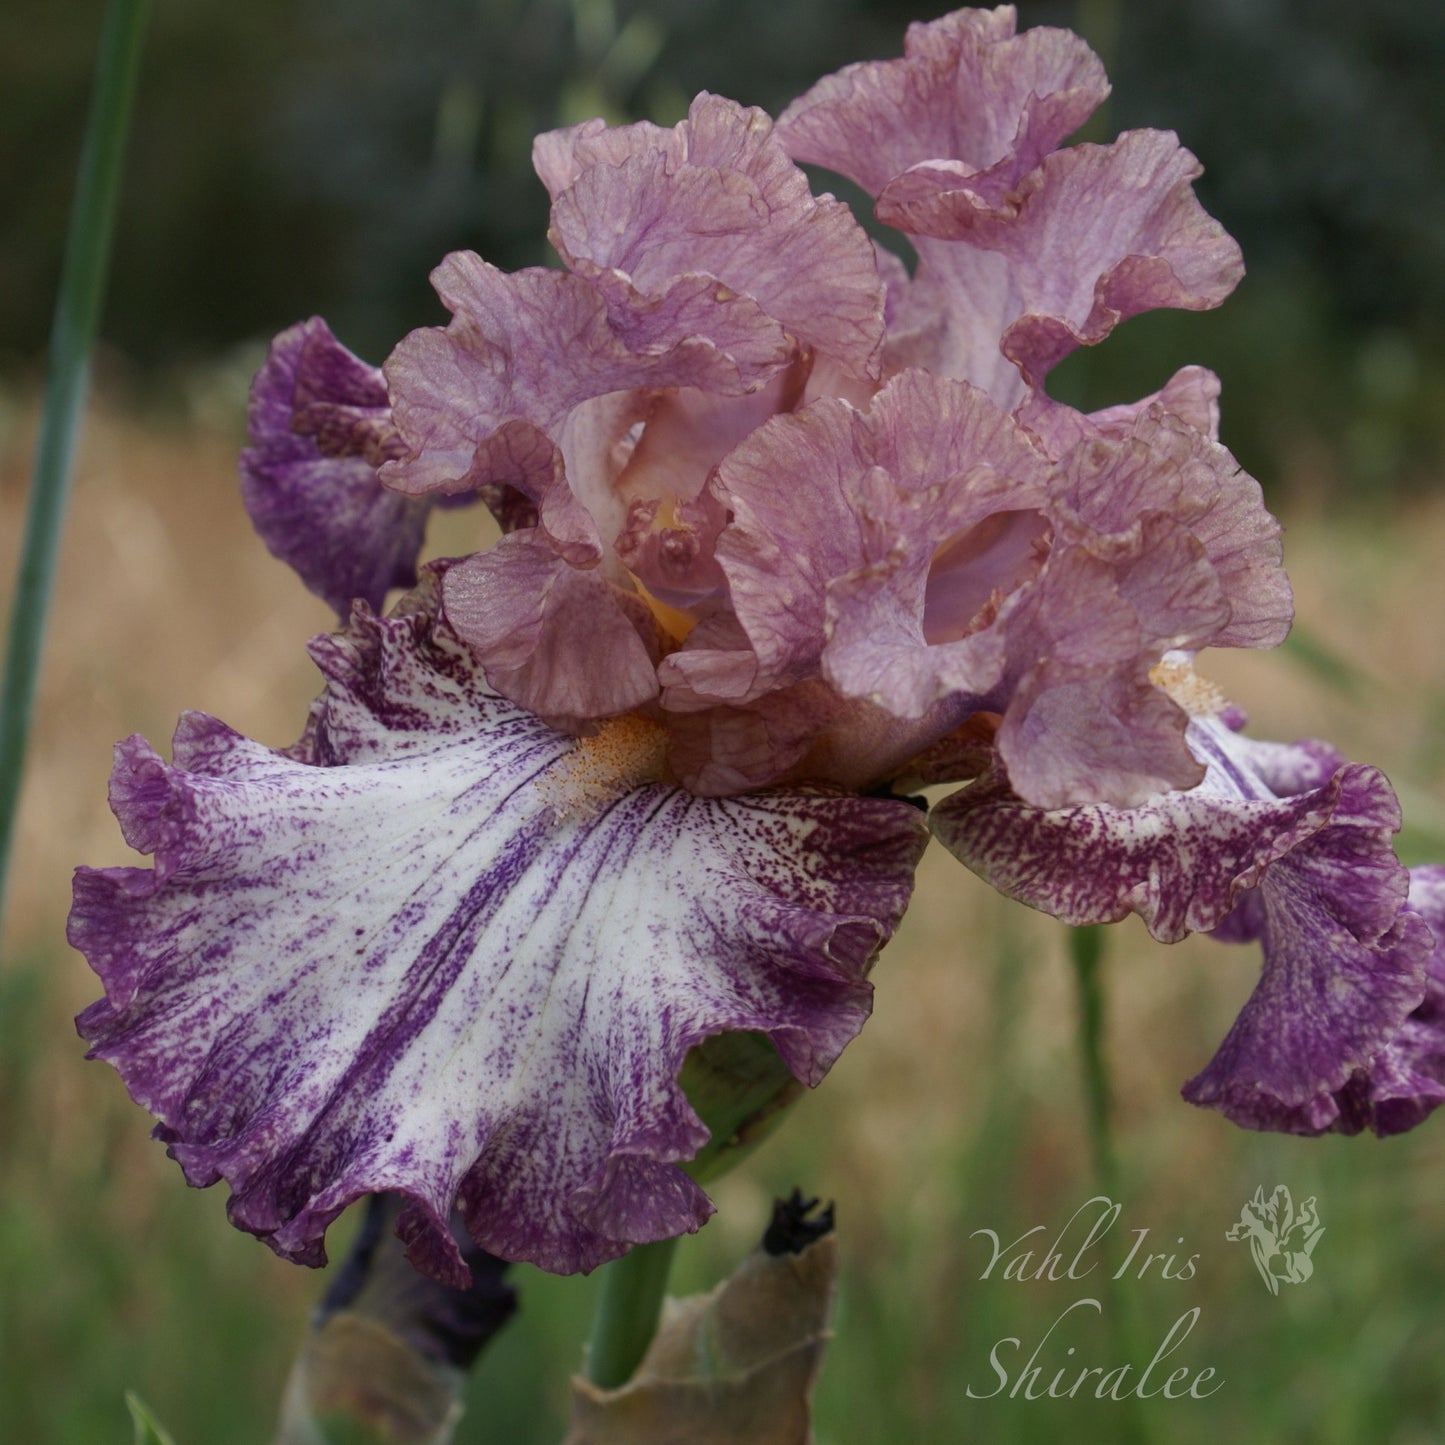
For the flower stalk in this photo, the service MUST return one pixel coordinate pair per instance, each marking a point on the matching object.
(627, 1313)
(72, 337)
(1086, 951)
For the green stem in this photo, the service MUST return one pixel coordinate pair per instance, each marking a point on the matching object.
(1086, 947)
(626, 1318)
(72, 335)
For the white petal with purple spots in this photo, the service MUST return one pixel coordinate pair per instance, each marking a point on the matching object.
(464, 959)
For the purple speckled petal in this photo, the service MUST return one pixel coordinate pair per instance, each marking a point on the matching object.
(464, 960)
(641, 211)
(1405, 1081)
(1344, 969)
(971, 107)
(1312, 875)
(561, 641)
(320, 426)
(1181, 862)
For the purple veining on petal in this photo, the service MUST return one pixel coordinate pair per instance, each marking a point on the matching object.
(1311, 875)
(464, 959)
(320, 427)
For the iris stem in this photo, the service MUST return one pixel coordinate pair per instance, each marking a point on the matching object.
(72, 336)
(1086, 949)
(627, 1313)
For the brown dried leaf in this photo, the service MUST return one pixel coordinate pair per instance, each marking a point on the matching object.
(738, 1363)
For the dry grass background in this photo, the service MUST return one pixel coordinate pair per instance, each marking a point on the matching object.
(958, 1103)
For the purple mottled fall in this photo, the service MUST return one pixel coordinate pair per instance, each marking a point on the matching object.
(786, 531)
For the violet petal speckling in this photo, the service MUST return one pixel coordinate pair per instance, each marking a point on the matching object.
(1311, 875)
(464, 959)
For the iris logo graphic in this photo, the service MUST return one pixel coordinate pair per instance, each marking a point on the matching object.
(1281, 1240)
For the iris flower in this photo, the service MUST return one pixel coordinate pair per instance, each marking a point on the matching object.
(787, 531)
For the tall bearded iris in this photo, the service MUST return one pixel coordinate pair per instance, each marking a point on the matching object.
(786, 531)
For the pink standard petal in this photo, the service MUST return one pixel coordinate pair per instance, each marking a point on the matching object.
(1104, 233)
(640, 210)
(1082, 720)
(1094, 235)
(463, 961)
(956, 524)
(853, 531)
(1164, 543)
(1191, 395)
(1165, 468)
(519, 388)
(968, 92)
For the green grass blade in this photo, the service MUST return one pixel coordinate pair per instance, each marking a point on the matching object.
(77, 315)
(148, 1430)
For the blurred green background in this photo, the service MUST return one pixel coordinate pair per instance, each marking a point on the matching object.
(315, 156)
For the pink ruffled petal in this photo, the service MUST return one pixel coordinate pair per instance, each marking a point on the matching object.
(1164, 468)
(1082, 720)
(463, 961)
(897, 533)
(641, 211)
(1191, 395)
(971, 104)
(526, 372)
(1092, 236)
(1146, 243)
(561, 641)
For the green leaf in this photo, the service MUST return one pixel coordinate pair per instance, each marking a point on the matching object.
(148, 1430)
(740, 1089)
